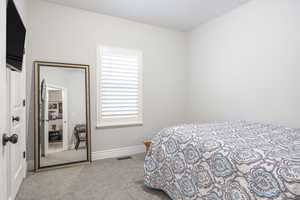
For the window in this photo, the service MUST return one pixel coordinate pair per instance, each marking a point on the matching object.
(119, 85)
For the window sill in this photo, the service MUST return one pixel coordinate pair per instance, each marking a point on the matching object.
(120, 125)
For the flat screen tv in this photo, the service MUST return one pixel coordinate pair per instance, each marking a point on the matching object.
(15, 37)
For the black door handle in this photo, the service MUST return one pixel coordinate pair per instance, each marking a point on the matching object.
(13, 139)
(17, 119)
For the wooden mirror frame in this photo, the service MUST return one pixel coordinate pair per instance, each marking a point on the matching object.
(37, 66)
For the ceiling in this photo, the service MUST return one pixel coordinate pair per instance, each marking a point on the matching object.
(182, 15)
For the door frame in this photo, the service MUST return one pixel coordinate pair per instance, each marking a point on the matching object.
(65, 116)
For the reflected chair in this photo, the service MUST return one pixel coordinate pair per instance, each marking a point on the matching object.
(80, 134)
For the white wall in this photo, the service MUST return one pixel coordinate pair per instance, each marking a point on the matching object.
(63, 34)
(246, 65)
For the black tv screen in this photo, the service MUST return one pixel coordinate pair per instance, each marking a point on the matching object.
(15, 37)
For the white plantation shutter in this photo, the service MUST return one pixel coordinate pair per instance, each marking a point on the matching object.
(119, 87)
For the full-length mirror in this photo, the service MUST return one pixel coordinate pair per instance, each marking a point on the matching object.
(62, 115)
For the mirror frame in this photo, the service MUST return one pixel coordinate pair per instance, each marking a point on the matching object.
(37, 66)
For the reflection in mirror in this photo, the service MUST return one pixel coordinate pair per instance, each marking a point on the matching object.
(63, 134)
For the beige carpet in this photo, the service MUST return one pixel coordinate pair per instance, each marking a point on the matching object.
(64, 157)
(108, 179)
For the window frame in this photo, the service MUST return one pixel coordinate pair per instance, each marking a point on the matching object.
(119, 122)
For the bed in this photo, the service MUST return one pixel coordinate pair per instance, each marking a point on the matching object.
(237, 160)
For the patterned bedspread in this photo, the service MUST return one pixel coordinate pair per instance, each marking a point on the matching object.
(228, 160)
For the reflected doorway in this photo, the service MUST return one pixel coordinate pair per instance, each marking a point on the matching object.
(56, 120)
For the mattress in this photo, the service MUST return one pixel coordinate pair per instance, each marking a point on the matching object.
(228, 160)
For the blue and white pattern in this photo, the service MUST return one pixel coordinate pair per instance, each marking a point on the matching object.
(191, 154)
(236, 160)
(263, 183)
(221, 166)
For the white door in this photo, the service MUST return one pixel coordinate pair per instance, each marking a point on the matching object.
(12, 93)
(17, 163)
(65, 119)
(3, 102)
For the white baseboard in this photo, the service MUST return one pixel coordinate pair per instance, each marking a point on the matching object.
(111, 153)
(119, 152)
